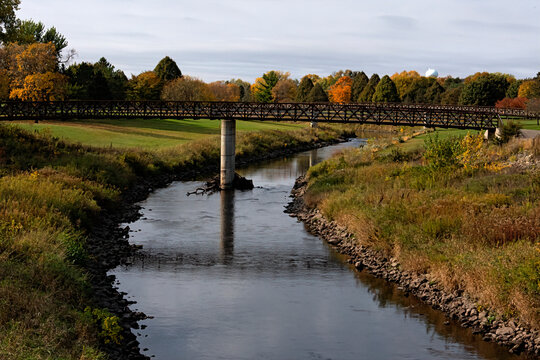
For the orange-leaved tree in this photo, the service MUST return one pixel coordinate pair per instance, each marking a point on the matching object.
(49, 86)
(340, 92)
(284, 91)
(222, 91)
(509, 103)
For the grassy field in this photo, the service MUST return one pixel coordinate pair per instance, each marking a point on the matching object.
(143, 133)
(455, 209)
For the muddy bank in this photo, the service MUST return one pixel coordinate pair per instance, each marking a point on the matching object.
(517, 338)
(108, 245)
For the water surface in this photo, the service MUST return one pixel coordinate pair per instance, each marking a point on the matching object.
(230, 276)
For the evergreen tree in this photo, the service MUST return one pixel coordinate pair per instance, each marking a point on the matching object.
(167, 69)
(317, 94)
(434, 93)
(98, 89)
(513, 89)
(367, 93)
(262, 89)
(306, 85)
(386, 91)
(360, 81)
(8, 19)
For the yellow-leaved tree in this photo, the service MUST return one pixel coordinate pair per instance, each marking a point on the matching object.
(32, 72)
(404, 80)
(49, 86)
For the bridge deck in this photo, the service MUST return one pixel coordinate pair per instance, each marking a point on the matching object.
(467, 117)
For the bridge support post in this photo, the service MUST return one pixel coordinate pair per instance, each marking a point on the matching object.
(493, 134)
(228, 149)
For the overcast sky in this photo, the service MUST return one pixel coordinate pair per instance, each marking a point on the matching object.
(223, 39)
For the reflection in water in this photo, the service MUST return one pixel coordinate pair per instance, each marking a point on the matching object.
(313, 157)
(229, 276)
(227, 226)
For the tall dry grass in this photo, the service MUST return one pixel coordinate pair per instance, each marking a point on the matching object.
(472, 222)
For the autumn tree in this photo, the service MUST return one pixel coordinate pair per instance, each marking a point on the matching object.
(49, 86)
(186, 88)
(222, 91)
(167, 69)
(32, 71)
(8, 20)
(5, 84)
(404, 80)
(530, 88)
(386, 91)
(245, 89)
(317, 94)
(306, 84)
(512, 103)
(484, 89)
(359, 82)
(367, 94)
(145, 86)
(284, 91)
(262, 88)
(340, 92)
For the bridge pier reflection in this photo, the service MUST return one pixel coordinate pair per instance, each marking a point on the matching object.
(227, 226)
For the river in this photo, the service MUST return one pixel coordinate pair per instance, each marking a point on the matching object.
(230, 276)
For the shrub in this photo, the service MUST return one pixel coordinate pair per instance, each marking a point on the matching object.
(442, 153)
(509, 130)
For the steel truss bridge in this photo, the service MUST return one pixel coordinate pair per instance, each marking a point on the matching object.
(444, 116)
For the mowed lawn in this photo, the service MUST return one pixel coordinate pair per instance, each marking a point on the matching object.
(143, 133)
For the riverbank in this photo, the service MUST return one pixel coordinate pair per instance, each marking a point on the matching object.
(61, 206)
(456, 227)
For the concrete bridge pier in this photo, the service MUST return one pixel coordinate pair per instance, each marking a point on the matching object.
(493, 133)
(228, 149)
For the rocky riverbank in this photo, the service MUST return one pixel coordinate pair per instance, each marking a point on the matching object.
(108, 246)
(517, 338)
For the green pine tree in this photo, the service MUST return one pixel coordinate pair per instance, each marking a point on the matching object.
(360, 80)
(367, 93)
(386, 91)
(167, 69)
(306, 85)
(317, 94)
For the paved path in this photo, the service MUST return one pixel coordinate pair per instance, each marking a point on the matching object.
(529, 134)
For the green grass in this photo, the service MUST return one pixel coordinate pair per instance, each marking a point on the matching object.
(143, 133)
(529, 124)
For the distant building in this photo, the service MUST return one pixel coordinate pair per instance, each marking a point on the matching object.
(432, 73)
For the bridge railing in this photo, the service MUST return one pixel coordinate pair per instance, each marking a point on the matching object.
(371, 113)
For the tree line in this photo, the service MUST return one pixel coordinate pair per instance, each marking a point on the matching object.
(34, 66)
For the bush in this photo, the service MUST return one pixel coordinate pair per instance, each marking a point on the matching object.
(442, 153)
(509, 130)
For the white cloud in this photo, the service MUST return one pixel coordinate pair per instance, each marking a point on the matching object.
(215, 39)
